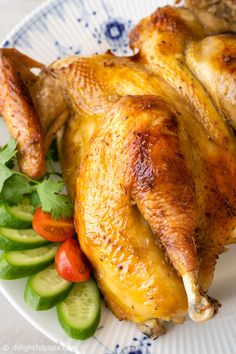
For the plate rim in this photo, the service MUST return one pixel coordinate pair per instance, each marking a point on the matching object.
(20, 27)
(34, 324)
(37, 11)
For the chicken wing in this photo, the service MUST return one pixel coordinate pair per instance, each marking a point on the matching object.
(19, 112)
(26, 104)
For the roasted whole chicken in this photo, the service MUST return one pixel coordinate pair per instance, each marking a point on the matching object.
(148, 153)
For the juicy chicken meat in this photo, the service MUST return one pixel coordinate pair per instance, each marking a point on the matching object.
(149, 157)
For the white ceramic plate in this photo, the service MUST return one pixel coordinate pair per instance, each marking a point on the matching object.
(63, 27)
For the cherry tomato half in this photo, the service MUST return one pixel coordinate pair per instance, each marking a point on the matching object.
(51, 229)
(71, 263)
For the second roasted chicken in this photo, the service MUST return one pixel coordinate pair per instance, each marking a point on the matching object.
(148, 155)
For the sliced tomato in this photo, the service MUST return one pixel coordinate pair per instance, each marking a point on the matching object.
(51, 229)
(71, 263)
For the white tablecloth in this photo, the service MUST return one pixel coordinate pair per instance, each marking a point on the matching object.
(17, 335)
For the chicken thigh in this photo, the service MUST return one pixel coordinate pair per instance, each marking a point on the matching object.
(165, 40)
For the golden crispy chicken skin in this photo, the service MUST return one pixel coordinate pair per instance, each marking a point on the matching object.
(19, 112)
(32, 116)
(213, 62)
(94, 84)
(216, 11)
(162, 186)
(194, 147)
(163, 40)
(113, 234)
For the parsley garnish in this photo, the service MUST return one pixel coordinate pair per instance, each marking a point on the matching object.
(14, 186)
(51, 199)
(7, 152)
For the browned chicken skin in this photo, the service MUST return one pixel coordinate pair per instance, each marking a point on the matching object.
(122, 249)
(220, 9)
(19, 112)
(149, 157)
(213, 62)
(162, 40)
(31, 115)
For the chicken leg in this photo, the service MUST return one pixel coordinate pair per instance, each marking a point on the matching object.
(162, 40)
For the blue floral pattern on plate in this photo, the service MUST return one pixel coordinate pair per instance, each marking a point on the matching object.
(138, 346)
(113, 31)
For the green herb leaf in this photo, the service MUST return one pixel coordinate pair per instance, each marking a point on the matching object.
(62, 207)
(5, 173)
(52, 201)
(8, 151)
(15, 188)
(34, 199)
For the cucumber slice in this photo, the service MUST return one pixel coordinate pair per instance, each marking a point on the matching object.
(11, 239)
(20, 264)
(16, 217)
(79, 313)
(46, 289)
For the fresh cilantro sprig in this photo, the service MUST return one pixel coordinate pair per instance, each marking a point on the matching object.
(15, 188)
(7, 152)
(47, 192)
